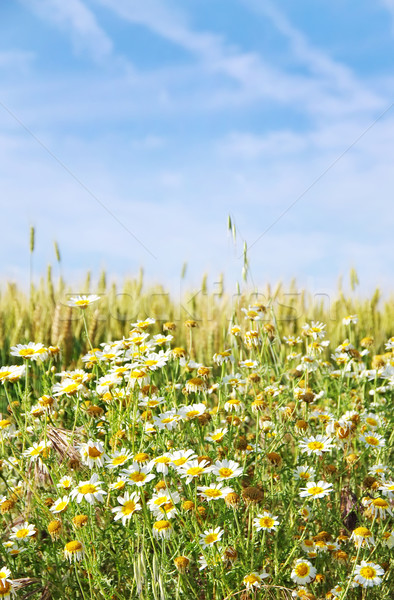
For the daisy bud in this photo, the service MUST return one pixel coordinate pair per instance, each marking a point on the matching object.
(181, 563)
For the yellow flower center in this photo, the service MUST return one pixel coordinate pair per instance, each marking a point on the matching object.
(192, 413)
(225, 472)
(3, 575)
(161, 500)
(4, 423)
(313, 491)
(195, 470)
(26, 352)
(216, 437)
(73, 546)
(118, 460)
(22, 533)
(373, 441)
(367, 572)
(61, 506)
(128, 507)
(266, 522)
(141, 457)
(213, 493)
(210, 538)
(251, 579)
(5, 588)
(305, 475)
(302, 570)
(137, 476)
(180, 461)
(162, 525)
(380, 503)
(87, 488)
(315, 445)
(162, 459)
(93, 452)
(362, 532)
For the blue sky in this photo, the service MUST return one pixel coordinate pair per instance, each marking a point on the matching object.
(129, 131)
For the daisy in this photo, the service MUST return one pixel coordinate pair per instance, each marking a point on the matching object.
(5, 573)
(118, 458)
(23, 531)
(215, 491)
(378, 470)
(74, 550)
(368, 574)
(304, 473)
(316, 330)
(373, 440)
(65, 482)
(372, 420)
(192, 411)
(234, 404)
(265, 521)
(388, 539)
(168, 420)
(196, 384)
(30, 351)
(378, 507)
(162, 529)
(37, 450)
(60, 505)
(303, 572)
(89, 490)
(161, 463)
(253, 580)
(316, 445)
(129, 504)
(388, 489)
(350, 319)
(362, 537)
(7, 588)
(210, 537)
(163, 503)
(180, 457)
(217, 435)
(226, 469)
(193, 469)
(93, 454)
(12, 373)
(316, 490)
(137, 475)
(82, 301)
(68, 387)
(144, 324)
(119, 484)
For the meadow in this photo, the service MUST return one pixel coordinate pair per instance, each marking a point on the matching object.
(208, 448)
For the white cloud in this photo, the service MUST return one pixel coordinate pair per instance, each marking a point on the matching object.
(74, 17)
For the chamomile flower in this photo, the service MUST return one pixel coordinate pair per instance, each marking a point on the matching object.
(138, 475)
(210, 537)
(254, 580)
(118, 458)
(162, 529)
(163, 504)
(388, 489)
(373, 440)
(193, 469)
(362, 537)
(215, 491)
(316, 490)
(65, 482)
(180, 457)
(93, 454)
(303, 572)
(67, 387)
(192, 411)
(23, 531)
(168, 420)
(12, 373)
(82, 301)
(129, 504)
(60, 505)
(265, 521)
(378, 507)
(316, 445)
(350, 319)
(30, 351)
(368, 574)
(217, 435)
(74, 551)
(226, 469)
(304, 473)
(89, 490)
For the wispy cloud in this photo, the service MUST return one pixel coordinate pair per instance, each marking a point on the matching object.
(75, 18)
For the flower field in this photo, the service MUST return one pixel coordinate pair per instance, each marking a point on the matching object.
(245, 455)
